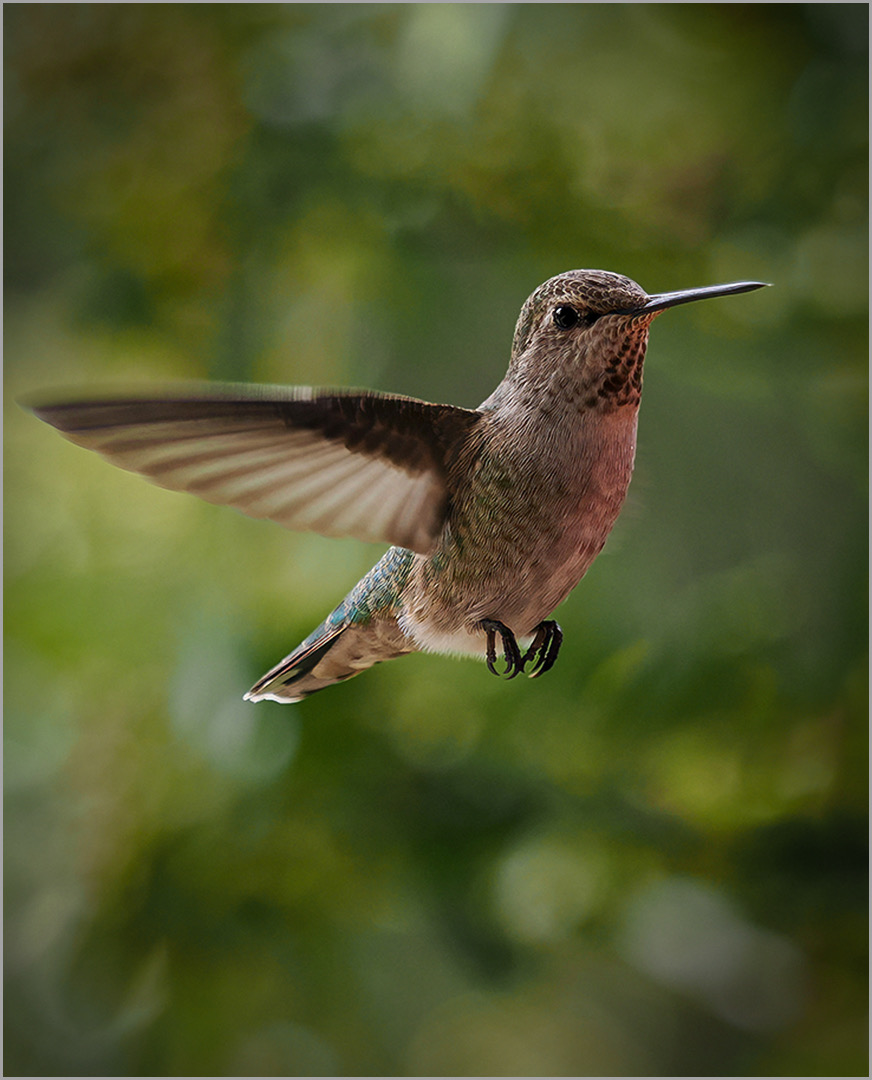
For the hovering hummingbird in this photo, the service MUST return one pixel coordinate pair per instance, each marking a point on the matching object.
(495, 513)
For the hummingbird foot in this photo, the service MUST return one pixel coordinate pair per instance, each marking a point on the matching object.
(546, 643)
(514, 660)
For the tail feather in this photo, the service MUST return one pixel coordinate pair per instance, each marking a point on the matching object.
(283, 682)
(331, 654)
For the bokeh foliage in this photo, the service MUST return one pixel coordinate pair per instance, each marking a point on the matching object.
(652, 861)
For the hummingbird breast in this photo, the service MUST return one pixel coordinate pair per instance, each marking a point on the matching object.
(539, 498)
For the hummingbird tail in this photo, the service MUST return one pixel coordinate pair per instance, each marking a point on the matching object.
(330, 655)
(292, 679)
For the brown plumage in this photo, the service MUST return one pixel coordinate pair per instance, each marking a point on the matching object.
(495, 513)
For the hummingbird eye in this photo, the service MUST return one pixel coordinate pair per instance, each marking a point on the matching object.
(565, 317)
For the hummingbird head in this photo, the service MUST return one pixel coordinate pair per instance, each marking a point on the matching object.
(588, 330)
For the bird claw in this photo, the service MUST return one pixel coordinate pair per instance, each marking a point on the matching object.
(546, 643)
(511, 652)
(542, 652)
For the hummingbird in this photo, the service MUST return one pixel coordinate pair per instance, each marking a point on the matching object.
(494, 514)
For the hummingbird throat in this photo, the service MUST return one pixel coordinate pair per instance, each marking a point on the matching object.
(619, 381)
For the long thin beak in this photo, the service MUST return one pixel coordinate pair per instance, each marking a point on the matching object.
(661, 301)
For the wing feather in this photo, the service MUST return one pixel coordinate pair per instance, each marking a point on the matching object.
(358, 464)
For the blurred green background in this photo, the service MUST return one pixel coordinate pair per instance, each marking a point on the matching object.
(652, 861)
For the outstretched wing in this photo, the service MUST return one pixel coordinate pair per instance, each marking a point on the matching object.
(356, 464)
